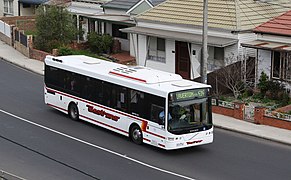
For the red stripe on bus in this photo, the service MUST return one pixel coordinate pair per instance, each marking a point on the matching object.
(162, 145)
(129, 77)
(144, 123)
(156, 135)
(92, 119)
(194, 142)
(146, 139)
(104, 124)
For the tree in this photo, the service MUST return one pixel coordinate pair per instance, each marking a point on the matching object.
(237, 75)
(55, 27)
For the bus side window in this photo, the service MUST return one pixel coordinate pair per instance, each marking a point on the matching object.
(98, 91)
(155, 114)
(136, 103)
(107, 94)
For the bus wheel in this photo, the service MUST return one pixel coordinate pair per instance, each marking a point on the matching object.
(136, 134)
(73, 112)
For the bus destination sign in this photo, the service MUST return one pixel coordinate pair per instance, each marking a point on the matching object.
(190, 94)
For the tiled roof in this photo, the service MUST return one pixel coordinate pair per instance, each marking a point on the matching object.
(280, 25)
(234, 15)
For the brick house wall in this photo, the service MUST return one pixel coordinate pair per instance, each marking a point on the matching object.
(22, 22)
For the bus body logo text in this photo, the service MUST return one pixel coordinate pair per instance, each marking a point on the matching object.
(102, 113)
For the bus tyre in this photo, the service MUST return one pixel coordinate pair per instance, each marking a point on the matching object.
(73, 112)
(136, 134)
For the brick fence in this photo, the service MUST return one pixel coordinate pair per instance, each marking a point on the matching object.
(262, 118)
(261, 114)
(236, 110)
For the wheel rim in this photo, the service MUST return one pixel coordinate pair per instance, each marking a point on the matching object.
(74, 112)
(136, 134)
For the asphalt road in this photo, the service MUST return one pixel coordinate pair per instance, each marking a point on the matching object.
(37, 142)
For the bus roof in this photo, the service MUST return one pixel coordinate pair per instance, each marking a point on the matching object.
(136, 77)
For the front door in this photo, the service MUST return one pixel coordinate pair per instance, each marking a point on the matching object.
(182, 59)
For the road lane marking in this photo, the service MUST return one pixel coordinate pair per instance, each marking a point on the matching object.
(98, 147)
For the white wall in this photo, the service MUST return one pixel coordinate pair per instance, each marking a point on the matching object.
(195, 60)
(133, 45)
(85, 28)
(29, 11)
(231, 54)
(169, 65)
(264, 62)
(1, 8)
(15, 8)
(243, 38)
(142, 49)
(124, 44)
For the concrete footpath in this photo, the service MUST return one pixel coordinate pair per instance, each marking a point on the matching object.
(9, 54)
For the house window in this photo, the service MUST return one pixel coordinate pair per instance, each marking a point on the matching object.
(157, 49)
(218, 53)
(276, 65)
(281, 65)
(8, 7)
(117, 33)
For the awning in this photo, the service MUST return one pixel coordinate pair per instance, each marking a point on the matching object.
(35, 2)
(85, 11)
(122, 19)
(268, 45)
(180, 36)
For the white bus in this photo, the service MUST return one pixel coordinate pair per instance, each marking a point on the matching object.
(147, 105)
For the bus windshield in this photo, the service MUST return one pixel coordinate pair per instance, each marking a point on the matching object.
(189, 116)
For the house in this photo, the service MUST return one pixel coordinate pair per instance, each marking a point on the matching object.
(118, 14)
(273, 45)
(19, 7)
(84, 10)
(28, 7)
(169, 36)
(8, 8)
(106, 16)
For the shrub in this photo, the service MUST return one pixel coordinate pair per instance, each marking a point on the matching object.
(263, 83)
(285, 100)
(107, 42)
(63, 51)
(247, 93)
(94, 41)
(99, 43)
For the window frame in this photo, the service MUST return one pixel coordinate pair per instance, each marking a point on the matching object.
(156, 50)
(8, 7)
